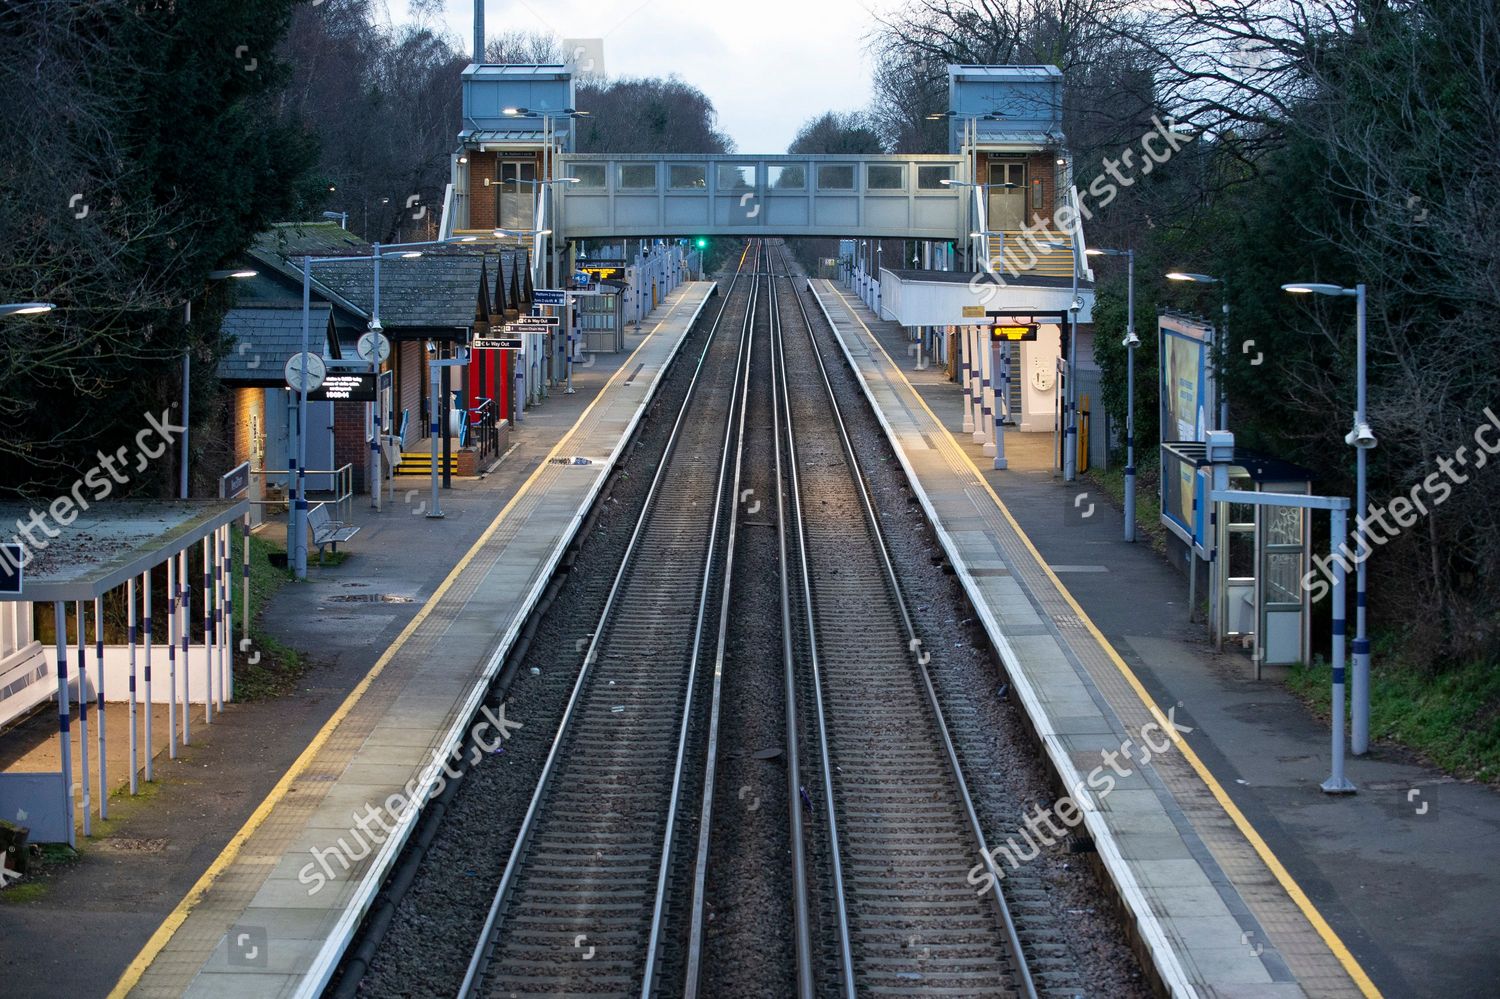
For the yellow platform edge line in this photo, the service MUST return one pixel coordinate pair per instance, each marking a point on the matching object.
(158, 940)
(1329, 936)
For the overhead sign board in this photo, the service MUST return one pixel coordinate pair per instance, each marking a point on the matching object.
(549, 296)
(340, 386)
(12, 556)
(496, 343)
(1013, 333)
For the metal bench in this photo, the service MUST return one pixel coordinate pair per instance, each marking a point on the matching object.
(326, 530)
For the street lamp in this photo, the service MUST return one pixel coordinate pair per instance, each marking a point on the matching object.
(26, 308)
(1362, 439)
(549, 132)
(1222, 337)
(238, 274)
(342, 218)
(1130, 343)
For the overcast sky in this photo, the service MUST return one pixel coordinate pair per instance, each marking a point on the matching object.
(767, 67)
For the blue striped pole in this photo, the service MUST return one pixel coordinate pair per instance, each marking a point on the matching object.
(184, 629)
(1337, 783)
(150, 704)
(99, 691)
(65, 742)
(171, 656)
(208, 632)
(83, 714)
(130, 637)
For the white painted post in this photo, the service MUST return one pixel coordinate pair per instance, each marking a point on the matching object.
(965, 356)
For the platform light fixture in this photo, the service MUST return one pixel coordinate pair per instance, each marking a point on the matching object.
(26, 308)
(1362, 438)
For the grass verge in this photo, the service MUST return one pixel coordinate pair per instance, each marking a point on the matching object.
(1451, 718)
(268, 667)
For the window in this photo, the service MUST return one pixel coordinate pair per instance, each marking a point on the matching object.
(836, 177)
(885, 177)
(733, 176)
(930, 178)
(515, 195)
(792, 177)
(1036, 193)
(590, 175)
(637, 176)
(681, 176)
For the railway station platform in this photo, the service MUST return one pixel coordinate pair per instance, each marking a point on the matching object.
(266, 921)
(1213, 907)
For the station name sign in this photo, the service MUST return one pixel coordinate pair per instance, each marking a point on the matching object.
(353, 386)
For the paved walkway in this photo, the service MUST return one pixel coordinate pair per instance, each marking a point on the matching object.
(1212, 903)
(268, 917)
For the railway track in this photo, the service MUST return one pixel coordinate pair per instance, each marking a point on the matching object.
(583, 904)
(898, 822)
(604, 889)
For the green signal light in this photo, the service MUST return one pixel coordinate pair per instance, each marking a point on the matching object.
(702, 243)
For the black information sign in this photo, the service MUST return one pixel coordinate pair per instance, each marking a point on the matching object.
(345, 386)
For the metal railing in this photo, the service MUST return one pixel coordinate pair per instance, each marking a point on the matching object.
(342, 497)
(484, 428)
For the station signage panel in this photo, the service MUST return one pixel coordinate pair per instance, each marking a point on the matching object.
(496, 343)
(540, 322)
(549, 296)
(342, 386)
(973, 312)
(1013, 333)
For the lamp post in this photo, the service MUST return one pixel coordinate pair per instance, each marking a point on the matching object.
(1222, 337)
(1130, 343)
(187, 318)
(1362, 439)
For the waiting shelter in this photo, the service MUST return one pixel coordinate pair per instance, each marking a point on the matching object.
(117, 576)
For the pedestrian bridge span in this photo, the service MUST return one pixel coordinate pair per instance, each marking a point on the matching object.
(873, 196)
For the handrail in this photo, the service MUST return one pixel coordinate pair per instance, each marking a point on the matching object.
(343, 487)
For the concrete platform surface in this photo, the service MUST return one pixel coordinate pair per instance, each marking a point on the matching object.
(271, 914)
(1213, 905)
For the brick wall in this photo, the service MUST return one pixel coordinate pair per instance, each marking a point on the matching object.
(482, 199)
(349, 444)
(246, 415)
(1040, 166)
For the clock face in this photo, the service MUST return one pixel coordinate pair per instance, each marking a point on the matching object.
(314, 367)
(374, 346)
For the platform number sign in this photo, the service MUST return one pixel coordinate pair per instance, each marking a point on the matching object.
(12, 557)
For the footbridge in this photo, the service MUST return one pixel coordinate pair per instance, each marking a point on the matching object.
(872, 196)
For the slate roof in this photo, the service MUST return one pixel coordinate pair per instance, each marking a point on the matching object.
(265, 336)
(321, 239)
(434, 290)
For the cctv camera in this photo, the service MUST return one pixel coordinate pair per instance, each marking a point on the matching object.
(431, 347)
(1131, 340)
(1361, 437)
